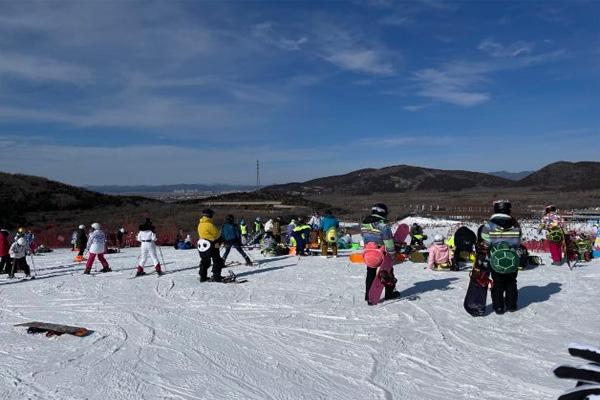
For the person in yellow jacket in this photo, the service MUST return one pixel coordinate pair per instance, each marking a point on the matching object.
(208, 247)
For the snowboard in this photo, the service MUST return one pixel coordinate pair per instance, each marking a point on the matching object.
(384, 272)
(54, 329)
(479, 279)
(401, 233)
(587, 376)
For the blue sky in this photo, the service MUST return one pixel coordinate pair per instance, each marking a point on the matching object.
(194, 92)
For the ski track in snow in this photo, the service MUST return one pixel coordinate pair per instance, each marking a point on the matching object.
(295, 330)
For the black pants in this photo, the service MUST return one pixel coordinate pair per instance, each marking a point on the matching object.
(206, 258)
(81, 250)
(371, 275)
(238, 247)
(504, 291)
(5, 264)
(20, 264)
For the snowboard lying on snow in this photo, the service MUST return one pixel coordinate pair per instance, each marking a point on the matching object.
(54, 329)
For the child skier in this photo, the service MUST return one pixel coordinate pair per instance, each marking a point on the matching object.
(439, 254)
(18, 252)
(147, 238)
(553, 224)
(301, 234)
(210, 236)
(96, 246)
(81, 242)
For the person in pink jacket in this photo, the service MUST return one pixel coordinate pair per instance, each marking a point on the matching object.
(439, 254)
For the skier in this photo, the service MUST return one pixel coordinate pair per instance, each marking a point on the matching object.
(301, 235)
(231, 235)
(329, 232)
(18, 252)
(314, 222)
(210, 236)
(439, 254)
(375, 229)
(147, 238)
(500, 242)
(120, 234)
(553, 224)
(96, 246)
(290, 232)
(243, 231)
(269, 225)
(4, 252)
(81, 242)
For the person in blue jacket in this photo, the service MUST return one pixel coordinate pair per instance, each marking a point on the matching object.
(329, 233)
(231, 235)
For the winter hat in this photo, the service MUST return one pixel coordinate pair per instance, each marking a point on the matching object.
(96, 226)
(438, 238)
(207, 212)
(379, 209)
(502, 207)
(81, 226)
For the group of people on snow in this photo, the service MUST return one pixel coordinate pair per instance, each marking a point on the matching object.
(13, 255)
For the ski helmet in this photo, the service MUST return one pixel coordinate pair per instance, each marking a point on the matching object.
(550, 208)
(81, 226)
(257, 219)
(379, 209)
(502, 207)
(21, 242)
(207, 212)
(438, 238)
(96, 226)
(21, 230)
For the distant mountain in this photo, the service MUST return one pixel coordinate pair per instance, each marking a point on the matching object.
(20, 194)
(395, 179)
(141, 189)
(513, 176)
(565, 176)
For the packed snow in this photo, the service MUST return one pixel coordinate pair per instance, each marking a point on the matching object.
(297, 329)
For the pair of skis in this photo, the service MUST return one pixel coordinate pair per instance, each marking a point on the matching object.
(587, 376)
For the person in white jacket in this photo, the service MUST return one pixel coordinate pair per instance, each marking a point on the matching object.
(18, 252)
(96, 246)
(147, 238)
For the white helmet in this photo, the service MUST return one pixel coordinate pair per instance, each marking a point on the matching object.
(21, 242)
(438, 238)
(96, 226)
(81, 226)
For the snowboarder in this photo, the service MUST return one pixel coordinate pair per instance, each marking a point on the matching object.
(329, 234)
(375, 229)
(439, 254)
(4, 252)
(501, 241)
(147, 238)
(553, 224)
(96, 246)
(81, 241)
(210, 236)
(232, 237)
(417, 237)
(301, 234)
(18, 252)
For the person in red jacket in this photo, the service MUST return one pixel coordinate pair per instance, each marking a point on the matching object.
(4, 257)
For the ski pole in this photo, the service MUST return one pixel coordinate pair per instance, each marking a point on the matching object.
(33, 266)
(163, 259)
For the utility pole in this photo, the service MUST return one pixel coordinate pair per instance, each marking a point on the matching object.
(257, 175)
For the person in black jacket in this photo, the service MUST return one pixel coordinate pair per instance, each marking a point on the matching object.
(80, 242)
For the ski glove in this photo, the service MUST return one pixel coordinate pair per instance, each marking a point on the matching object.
(587, 376)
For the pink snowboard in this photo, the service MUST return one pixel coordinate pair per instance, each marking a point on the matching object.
(401, 233)
(377, 287)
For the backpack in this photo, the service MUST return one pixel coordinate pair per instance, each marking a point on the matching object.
(373, 255)
(503, 258)
(331, 235)
(555, 235)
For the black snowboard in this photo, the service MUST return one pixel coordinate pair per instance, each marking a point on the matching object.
(54, 329)
(476, 297)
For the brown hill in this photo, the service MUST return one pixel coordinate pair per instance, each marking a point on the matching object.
(21, 194)
(395, 179)
(565, 176)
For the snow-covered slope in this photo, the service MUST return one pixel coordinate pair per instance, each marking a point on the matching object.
(298, 329)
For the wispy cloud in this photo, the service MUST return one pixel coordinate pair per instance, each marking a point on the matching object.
(266, 32)
(404, 140)
(42, 69)
(496, 49)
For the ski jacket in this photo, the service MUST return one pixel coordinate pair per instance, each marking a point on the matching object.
(290, 229)
(375, 229)
(18, 251)
(96, 243)
(439, 253)
(315, 222)
(81, 239)
(208, 230)
(4, 247)
(244, 229)
(258, 228)
(146, 237)
(230, 233)
(501, 228)
(303, 231)
(328, 222)
(551, 220)
(269, 226)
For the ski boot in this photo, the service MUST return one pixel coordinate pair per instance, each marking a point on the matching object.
(87, 271)
(140, 272)
(159, 271)
(105, 270)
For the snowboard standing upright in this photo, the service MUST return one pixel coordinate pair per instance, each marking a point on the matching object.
(401, 233)
(476, 297)
(383, 278)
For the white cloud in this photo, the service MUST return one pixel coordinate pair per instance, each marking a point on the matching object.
(515, 49)
(361, 60)
(266, 32)
(42, 69)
